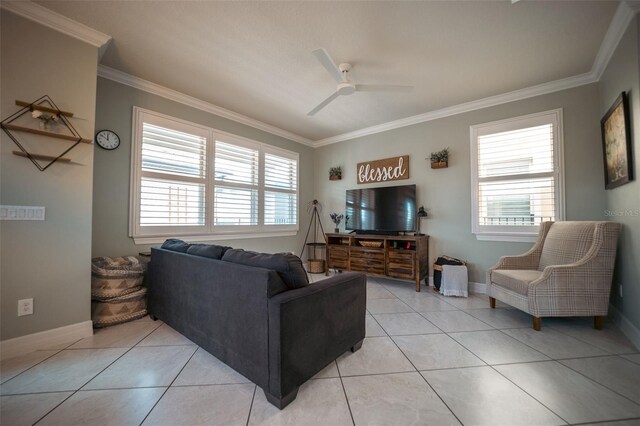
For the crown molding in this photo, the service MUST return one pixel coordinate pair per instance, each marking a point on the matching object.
(60, 23)
(173, 95)
(37, 13)
(621, 19)
(516, 95)
(619, 23)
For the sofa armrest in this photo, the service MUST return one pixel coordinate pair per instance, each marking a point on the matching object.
(311, 326)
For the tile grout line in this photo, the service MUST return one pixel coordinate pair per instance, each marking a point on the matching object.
(515, 384)
(255, 389)
(169, 387)
(535, 349)
(517, 340)
(38, 363)
(488, 365)
(345, 391)
(594, 380)
(599, 422)
(100, 372)
(527, 393)
(69, 348)
(423, 378)
(583, 340)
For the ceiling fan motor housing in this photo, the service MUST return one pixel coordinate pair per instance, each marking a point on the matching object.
(346, 88)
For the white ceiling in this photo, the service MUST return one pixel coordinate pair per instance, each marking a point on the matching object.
(255, 58)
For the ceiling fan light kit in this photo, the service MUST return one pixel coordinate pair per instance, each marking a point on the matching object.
(345, 87)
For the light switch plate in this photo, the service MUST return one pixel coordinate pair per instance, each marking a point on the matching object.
(22, 213)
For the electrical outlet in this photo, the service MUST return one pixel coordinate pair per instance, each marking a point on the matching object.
(620, 288)
(25, 307)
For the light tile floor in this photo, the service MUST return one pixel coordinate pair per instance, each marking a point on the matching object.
(427, 359)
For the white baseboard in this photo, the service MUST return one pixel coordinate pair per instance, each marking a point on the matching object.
(45, 339)
(474, 287)
(480, 288)
(628, 329)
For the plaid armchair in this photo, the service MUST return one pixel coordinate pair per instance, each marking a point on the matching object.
(567, 272)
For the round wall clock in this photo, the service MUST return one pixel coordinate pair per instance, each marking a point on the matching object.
(107, 139)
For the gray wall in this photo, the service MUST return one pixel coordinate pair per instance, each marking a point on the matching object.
(112, 168)
(624, 202)
(47, 260)
(446, 193)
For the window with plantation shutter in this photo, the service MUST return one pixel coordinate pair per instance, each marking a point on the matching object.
(236, 185)
(198, 183)
(517, 176)
(280, 189)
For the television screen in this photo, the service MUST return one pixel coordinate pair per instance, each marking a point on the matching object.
(384, 209)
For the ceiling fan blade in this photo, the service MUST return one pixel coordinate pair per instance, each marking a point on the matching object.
(382, 88)
(328, 63)
(323, 104)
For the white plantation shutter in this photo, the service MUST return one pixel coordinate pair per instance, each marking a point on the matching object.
(280, 189)
(236, 185)
(191, 181)
(172, 185)
(516, 175)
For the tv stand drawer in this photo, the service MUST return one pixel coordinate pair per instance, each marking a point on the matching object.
(374, 254)
(377, 270)
(338, 253)
(339, 263)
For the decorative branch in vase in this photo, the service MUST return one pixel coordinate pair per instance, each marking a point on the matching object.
(336, 219)
(44, 118)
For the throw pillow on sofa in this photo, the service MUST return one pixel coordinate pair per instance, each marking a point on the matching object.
(175, 244)
(207, 250)
(288, 266)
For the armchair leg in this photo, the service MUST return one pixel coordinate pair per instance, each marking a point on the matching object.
(598, 321)
(357, 346)
(537, 323)
(492, 302)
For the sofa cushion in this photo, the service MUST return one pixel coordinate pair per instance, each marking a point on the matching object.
(207, 250)
(517, 280)
(566, 242)
(288, 266)
(175, 244)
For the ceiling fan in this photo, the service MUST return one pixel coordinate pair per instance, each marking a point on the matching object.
(345, 86)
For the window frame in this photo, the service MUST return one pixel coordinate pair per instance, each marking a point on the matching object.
(208, 232)
(518, 233)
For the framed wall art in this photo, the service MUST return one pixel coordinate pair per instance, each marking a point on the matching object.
(616, 144)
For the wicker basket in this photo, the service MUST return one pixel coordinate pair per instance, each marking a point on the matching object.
(374, 244)
(316, 266)
(116, 276)
(120, 309)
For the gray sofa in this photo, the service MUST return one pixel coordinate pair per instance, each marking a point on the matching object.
(267, 323)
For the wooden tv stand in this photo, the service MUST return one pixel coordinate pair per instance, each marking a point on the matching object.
(404, 257)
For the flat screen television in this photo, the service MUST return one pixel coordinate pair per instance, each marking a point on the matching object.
(388, 209)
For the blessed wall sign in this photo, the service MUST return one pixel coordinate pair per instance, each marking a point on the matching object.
(385, 170)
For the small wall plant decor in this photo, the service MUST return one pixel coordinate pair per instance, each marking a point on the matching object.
(335, 173)
(440, 159)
